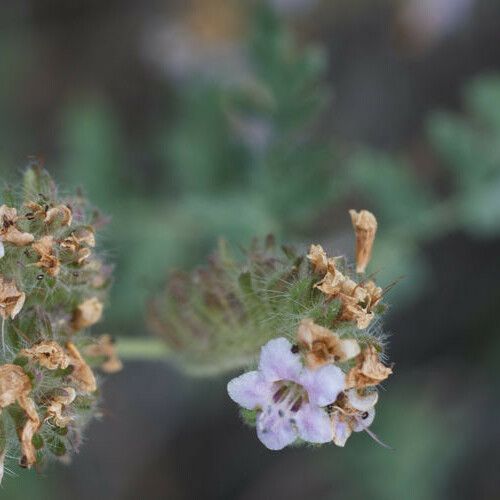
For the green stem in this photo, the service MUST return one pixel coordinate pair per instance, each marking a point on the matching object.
(141, 348)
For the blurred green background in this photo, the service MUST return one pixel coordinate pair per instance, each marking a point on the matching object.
(186, 121)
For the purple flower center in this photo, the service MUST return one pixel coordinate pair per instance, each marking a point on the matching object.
(288, 397)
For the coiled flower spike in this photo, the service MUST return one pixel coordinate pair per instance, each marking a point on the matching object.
(310, 323)
(52, 289)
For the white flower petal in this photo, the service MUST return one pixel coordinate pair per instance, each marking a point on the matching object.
(350, 349)
(362, 403)
(2, 250)
(274, 431)
(323, 385)
(360, 424)
(278, 362)
(249, 390)
(314, 424)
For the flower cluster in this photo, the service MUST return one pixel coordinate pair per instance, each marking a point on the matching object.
(322, 386)
(52, 288)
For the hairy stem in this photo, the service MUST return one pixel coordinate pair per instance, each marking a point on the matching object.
(141, 348)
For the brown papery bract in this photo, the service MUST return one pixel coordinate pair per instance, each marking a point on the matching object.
(369, 371)
(320, 262)
(321, 346)
(15, 386)
(9, 232)
(82, 374)
(88, 313)
(11, 299)
(47, 261)
(105, 347)
(57, 406)
(48, 354)
(60, 213)
(365, 227)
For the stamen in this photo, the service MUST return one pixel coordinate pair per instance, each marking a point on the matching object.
(296, 405)
(280, 393)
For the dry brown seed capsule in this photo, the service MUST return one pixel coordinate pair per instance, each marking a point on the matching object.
(11, 299)
(36, 211)
(57, 405)
(48, 261)
(9, 233)
(320, 261)
(365, 226)
(369, 371)
(79, 243)
(48, 354)
(61, 213)
(82, 374)
(15, 386)
(105, 347)
(322, 346)
(87, 314)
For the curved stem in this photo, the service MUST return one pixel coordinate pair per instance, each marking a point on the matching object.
(142, 348)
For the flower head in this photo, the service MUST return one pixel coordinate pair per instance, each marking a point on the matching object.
(289, 398)
(51, 285)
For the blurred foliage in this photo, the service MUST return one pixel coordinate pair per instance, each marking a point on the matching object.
(241, 161)
(467, 152)
(254, 156)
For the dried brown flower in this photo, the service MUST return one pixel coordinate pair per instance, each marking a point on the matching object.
(358, 299)
(29, 430)
(36, 211)
(49, 354)
(369, 371)
(57, 405)
(320, 261)
(11, 299)
(8, 229)
(82, 374)
(48, 261)
(79, 243)
(322, 346)
(105, 347)
(352, 412)
(15, 386)
(60, 212)
(87, 314)
(365, 226)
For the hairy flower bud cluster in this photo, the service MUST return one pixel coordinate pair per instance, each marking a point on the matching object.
(216, 318)
(52, 289)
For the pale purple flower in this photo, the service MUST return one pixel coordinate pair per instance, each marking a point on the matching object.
(288, 396)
